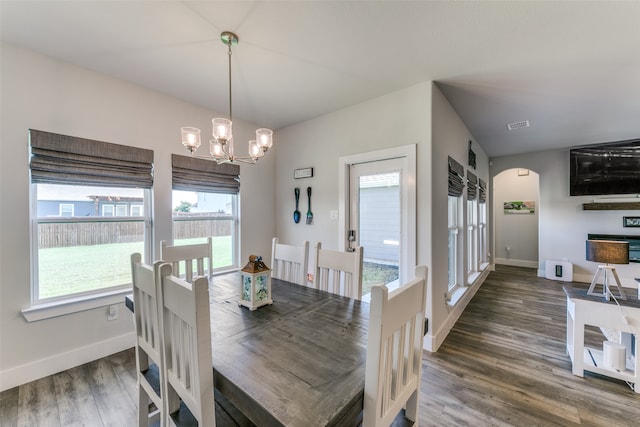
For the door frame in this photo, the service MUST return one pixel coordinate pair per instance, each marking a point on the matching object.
(408, 229)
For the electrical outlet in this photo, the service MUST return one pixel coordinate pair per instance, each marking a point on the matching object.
(309, 277)
(112, 312)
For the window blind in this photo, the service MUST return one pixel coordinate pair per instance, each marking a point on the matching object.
(482, 191)
(62, 159)
(472, 186)
(456, 178)
(194, 174)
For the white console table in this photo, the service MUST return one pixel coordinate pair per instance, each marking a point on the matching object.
(582, 310)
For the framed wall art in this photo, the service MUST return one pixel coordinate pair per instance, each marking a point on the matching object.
(631, 221)
(472, 156)
(519, 207)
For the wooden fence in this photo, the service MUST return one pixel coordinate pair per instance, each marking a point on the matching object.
(57, 235)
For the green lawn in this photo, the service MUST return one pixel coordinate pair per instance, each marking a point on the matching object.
(377, 274)
(79, 269)
(71, 270)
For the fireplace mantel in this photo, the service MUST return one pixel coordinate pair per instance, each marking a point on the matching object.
(611, 206)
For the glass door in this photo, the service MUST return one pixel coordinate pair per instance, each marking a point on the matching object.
(375, 220)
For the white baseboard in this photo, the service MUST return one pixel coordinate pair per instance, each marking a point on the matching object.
(432, 341)
(28, 372)
(517, 262)
(429, 343)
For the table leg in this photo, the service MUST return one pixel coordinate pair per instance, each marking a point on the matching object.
(578, 345)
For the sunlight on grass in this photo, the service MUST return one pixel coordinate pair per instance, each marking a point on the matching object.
(72, 270)
(377, 274)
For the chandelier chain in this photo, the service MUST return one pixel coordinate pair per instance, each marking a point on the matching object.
(230, 104)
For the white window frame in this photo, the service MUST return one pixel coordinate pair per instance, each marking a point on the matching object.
(70, 303)
(61, 207)
(482, 225)
(121, 210)
(112, 208)
(234, 217)
(453, 261)
(472, 241)
(137, 209)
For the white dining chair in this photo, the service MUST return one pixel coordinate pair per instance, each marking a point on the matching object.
(187, 350)
(338, 272)
(394, 351)
(290, 262)
(149, 357)
(182, 258)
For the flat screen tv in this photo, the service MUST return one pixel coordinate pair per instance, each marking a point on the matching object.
(612, 168)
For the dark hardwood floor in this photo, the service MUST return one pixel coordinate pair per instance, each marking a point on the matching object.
(503, 364)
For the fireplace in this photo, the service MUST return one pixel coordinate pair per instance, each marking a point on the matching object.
(634, 243)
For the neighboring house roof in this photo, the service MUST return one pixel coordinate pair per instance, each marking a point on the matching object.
(80, 193)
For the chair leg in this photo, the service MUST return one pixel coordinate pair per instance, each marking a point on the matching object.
(411, 408)
(143, 407)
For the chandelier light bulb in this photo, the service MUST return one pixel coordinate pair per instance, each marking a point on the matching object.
(215, 149)
(264, 138)
(254, 150)
(190, 138)
(222, 129)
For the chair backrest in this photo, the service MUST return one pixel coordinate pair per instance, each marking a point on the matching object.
(187, 346)
(338, 272)
(182, 258)
(394, 351)
(148, 327)
(289, 262)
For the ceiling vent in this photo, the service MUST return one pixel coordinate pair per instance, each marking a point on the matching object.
(518, 125)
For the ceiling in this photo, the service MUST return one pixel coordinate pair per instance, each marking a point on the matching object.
(572, 69)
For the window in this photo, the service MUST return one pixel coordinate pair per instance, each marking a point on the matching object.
(87, 252)
(205, 204)
(137, 210)
(121, 210)
(456, 186)
(198, 215)
(66, 209)
(472, 227)
(454, 237)
(108, 210)
(482, 224)
(472, 237)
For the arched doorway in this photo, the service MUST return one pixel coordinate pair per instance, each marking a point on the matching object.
(516, 196)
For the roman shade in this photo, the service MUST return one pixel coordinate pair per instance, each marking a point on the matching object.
(456, 178)
(62, 159)
(472, 186)
(194, 174)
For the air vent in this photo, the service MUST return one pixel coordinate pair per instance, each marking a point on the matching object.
(518, 125)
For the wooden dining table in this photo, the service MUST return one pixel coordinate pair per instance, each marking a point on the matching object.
(297, 362)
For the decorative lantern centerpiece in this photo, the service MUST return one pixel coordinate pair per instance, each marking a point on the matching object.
(255, 284)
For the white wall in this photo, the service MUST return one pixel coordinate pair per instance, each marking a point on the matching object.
(563, 224)
(396, 119)
(44, 94)
(417, 115)
(518, 232)
(41, 93)
(450, 137)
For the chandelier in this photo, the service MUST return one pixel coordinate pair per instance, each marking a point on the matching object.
(221, 146)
